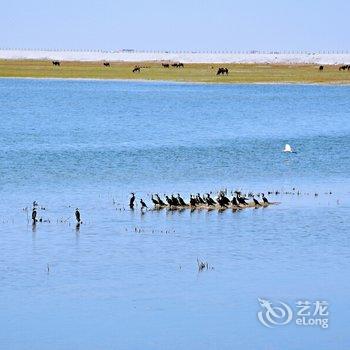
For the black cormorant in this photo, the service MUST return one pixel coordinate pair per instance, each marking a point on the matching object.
(241, 200)
(132, 200)
(224, 199)
(34, 215)
(256, 202)
(77, 215)
(175, 201)
(222, 202)
(143, 204)
(200, 199)
(181, 201)
(265, 199)
(193, 201)
(169, 201)
(160, 201)
(234, 201)
(210, 201)
(155, 202)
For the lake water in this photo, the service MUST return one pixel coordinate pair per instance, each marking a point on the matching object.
(126, 280)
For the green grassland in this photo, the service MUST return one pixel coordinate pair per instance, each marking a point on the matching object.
(204, 73)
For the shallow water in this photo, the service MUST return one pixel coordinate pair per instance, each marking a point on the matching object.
(88, 144)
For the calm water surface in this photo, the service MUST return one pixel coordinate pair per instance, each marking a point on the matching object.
(88, 144)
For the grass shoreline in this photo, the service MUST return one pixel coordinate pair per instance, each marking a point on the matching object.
(192, 73)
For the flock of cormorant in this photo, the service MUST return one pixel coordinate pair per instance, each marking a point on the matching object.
(198, 201)
(238, 201)
(221, 202)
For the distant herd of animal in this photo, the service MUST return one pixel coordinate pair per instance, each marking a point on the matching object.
(347, 66)
(220, 71)
(137, 69)
(343, 67)
(176, 65)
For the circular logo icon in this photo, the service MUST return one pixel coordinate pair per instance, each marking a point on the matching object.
(274, 315)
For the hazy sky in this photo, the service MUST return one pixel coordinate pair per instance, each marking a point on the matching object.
(176, 24)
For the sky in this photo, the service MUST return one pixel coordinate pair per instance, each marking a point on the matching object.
(176, 25)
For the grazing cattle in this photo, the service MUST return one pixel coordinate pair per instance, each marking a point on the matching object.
(320, 68)
(222, 71)
(56, 63)
(106, 64)
(165, 65)
(178, 65)
(136, 69)
(344, 67)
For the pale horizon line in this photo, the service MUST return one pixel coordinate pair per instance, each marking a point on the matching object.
(252, 51)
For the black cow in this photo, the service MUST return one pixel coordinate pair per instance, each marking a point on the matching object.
(178, 65)
(222, 71)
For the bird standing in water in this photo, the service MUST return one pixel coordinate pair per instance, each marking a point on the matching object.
(77, 215)
(132, 200)
(143, 204)
(34, 215)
